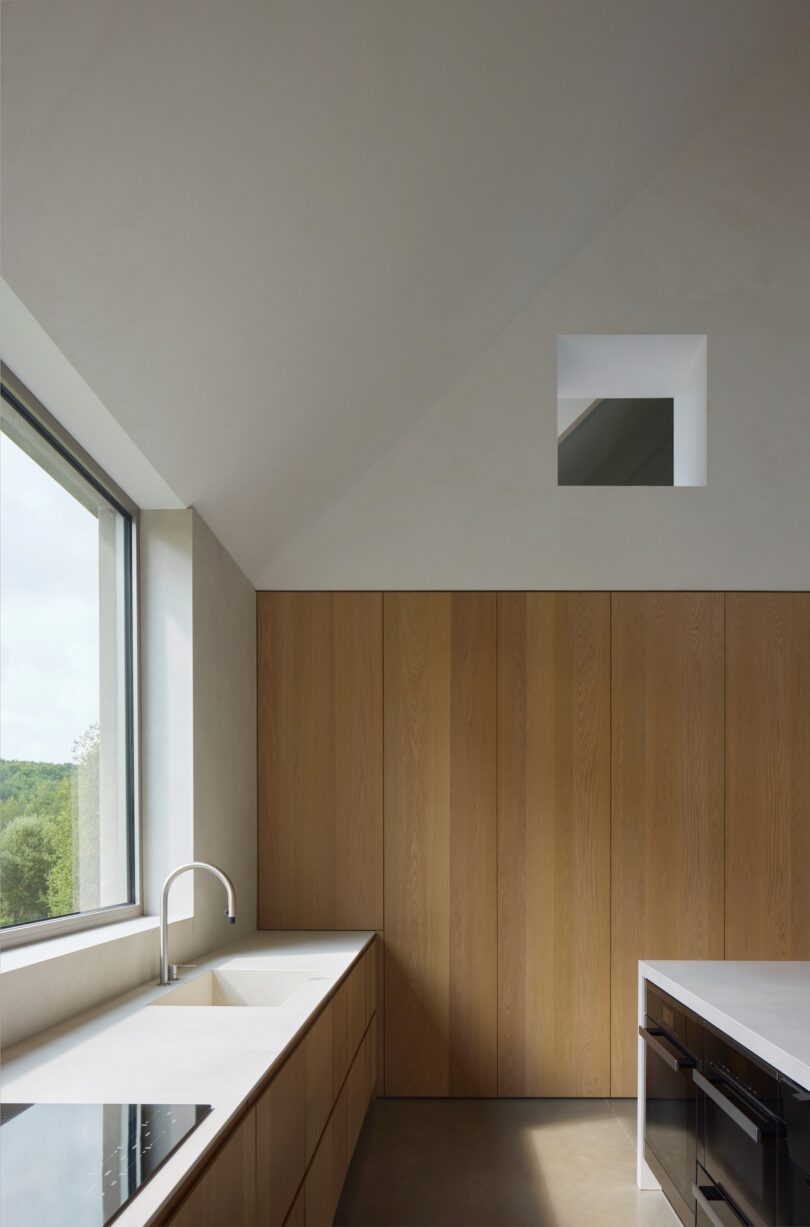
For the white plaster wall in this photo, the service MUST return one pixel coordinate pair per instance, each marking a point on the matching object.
(718, 244)
(224, 738)
(167, 703)
(30, 353)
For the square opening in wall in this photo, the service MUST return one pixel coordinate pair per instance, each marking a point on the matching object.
(631, 410)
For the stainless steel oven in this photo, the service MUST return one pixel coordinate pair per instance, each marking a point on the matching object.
(673, 1046)
(741, 1137)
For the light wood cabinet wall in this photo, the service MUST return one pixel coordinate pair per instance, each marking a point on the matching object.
(492, 737)
(667, 795)
(554, 844)
(767, 775)
(440, 844)
(320, 760)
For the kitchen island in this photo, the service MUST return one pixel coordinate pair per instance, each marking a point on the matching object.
(724, 1083)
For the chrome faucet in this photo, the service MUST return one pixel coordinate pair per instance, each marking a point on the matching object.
(168, 971)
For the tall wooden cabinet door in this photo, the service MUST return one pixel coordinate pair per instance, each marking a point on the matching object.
(320, 760)
(554, 844)
(768, 775)
(440, 844)
(667, 795)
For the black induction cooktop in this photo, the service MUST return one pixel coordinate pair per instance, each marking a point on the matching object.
(78, 1164)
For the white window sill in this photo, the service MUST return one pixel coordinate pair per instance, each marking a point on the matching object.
(17, 957)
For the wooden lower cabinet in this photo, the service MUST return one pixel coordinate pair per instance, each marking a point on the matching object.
(225, 1195)
(349, 1025)
(327, 1172)
(297, 1216)
(320, 1192)
(281, 1138)
(287, 1159)
(291, 1114)
(319, 1062)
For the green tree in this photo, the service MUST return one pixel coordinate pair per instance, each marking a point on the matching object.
(86, 824)
(31, 788)
(49, 834)
(62, 872)
(26, 858)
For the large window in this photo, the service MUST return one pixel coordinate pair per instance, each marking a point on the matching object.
(67, 824)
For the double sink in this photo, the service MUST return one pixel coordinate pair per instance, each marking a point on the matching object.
(237, 988)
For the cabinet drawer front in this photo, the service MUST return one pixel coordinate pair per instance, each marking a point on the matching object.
(281, 1139)
(225, 1195)
(371, 980)
(297, 1215)
(349, 1021)
(340, 1137)
(319, 1060)
(320, 1193)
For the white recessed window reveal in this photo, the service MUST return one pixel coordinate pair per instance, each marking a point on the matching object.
(631, 410)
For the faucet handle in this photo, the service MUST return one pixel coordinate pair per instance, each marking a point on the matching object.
(174, 968)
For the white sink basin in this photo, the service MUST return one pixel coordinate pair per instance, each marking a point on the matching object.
(257, 988)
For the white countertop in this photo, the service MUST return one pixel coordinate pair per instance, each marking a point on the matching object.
(765, 1006)
(125, 1052)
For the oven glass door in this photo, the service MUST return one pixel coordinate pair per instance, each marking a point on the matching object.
(743, 1135)
(670, 1101)
(712, 1206)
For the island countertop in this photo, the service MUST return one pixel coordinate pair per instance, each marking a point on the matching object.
(765, 1006)
(127, 1052)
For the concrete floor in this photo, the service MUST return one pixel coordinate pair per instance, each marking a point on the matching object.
(498, 1163)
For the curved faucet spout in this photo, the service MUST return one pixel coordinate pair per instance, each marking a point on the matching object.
(168, 971)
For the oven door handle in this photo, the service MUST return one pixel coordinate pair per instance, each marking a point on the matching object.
(742, 1119)
(672, 1055)
(718, 1210)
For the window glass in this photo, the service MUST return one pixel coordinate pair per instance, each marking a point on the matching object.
(66, 812)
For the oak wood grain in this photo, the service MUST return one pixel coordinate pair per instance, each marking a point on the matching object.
(327, 1171)
(320, 760)
(281, 1146)
(554, 844)
(320, 1198)
(343, 1145)
(768, 775)
(297, 1216)
(370, 971)
(378, 1008)
(225, 1194)
(440, 844)
(667, 795)
(371, 1058)
(350, 1020)
(319, 1045)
